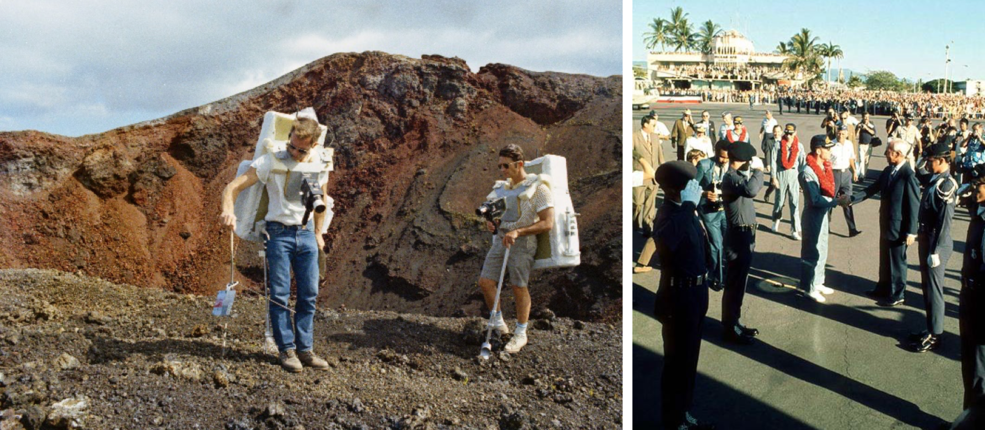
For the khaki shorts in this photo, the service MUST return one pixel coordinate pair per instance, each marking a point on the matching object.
(518, 267)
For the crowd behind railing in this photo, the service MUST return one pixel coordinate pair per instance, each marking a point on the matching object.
(856, 101)
(719, 71)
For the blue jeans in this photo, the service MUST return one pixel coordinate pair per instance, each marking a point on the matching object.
(291, 247)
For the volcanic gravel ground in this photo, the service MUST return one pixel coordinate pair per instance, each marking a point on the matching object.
(128, 357)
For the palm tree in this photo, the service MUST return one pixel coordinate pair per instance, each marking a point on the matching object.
(706, 33)
(782, 49)
(834, 51)
(681, 34)
(822, 51)
(829, 51)
(803, 57)
(657, 35)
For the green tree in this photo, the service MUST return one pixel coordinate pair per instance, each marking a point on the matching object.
(855, 81)
(706, 34)
(803, 56)
(782, 49)
(657, 35)
(829, 51)
(681, 31)
(882, 80)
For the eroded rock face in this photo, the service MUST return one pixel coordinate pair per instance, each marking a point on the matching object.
(415, 141)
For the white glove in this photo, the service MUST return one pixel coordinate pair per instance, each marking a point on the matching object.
(756, 163)
(691, 193)
(934, 260)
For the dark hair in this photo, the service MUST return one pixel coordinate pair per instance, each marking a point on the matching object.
(511, 151)
(646, 119)
(946, 157)
(964, 121)
(721, 145)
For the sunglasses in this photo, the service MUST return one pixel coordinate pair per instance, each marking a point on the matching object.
(302, 151)
(506, 165)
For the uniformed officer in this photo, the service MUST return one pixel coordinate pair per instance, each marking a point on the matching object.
(971, 310)
(934, 243)
(682, 296)
(742, 182)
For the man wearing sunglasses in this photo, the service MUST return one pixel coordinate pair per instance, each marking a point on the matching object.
(529, 212)
(290, 246)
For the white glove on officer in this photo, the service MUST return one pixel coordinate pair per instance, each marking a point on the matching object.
(933, 260)
(756, 163)
(691, 192)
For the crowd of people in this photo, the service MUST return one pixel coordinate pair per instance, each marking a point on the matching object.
(704, 232)
(881, 102)
(725, 72)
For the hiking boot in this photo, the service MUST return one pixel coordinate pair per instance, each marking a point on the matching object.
(289, 361)
(309, 359)
(516, 343)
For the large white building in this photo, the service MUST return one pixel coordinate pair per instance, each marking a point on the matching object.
(733, 63)
(971, 88)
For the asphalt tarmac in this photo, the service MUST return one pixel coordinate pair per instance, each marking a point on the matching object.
(837, 365)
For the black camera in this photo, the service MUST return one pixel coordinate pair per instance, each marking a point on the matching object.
(715, 187)
(311, 196)
(492, 210)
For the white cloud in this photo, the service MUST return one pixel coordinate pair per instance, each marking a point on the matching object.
(83, 65)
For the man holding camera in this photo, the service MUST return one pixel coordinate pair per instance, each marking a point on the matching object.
(710, 173)
(291, 243)
(529, 211)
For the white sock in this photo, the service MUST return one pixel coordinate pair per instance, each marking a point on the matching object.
(521, 329)
(497, 319)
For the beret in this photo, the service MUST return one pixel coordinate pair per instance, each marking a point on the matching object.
(821, 141)
(674, 175)
(741, 151)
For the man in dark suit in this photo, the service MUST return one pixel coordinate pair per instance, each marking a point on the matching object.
(682, 296)
(900, 200)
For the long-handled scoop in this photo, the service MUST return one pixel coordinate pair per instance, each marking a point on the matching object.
(486, 350)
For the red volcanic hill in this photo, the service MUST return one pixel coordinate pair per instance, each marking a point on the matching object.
(416, 145)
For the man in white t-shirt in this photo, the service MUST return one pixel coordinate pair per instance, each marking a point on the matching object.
(291, 244)
(843, 164)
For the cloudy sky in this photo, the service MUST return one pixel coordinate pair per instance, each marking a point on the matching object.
(77, 68)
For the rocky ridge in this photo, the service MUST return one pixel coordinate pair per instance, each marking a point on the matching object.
(415, 143)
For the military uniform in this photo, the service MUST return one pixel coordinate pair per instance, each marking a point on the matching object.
(738, 190)
(682, 296)
(971, 311)
(934, 238)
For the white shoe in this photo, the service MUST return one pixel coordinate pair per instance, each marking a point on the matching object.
(516, 343)
(796, 235)
(817, 297)
(776, 226)
(825, 290)
(499, 326)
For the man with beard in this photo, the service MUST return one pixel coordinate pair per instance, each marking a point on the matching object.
(817, 180)
(785, 165)
(711, 172)
(934, 243)
(900, 199)
(741, 183)
(682, 296)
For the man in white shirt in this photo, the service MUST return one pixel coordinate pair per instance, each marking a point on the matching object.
(766, 130)
(699, 141)
(726, 125)
(843, 164)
